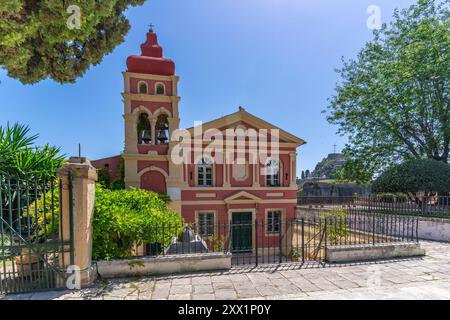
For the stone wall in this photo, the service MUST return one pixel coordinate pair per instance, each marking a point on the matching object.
(171, 264)
(434, 229)
(341, 254)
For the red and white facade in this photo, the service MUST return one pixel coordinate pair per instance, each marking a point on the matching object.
(203, 188)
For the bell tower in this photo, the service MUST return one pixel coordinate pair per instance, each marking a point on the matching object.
(151, 115)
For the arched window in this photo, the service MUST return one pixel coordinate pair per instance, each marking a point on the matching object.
(144, 129)
(160, 89)
(272, 173)
(143, 88)
(162, 129)
(205, 172)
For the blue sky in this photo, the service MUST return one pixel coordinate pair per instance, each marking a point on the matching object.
(274, 57)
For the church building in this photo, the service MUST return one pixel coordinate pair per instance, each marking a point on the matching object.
(203, 190)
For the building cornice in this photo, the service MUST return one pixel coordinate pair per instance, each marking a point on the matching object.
(151, 98)
(268, 189)
(145, 157)
(146, 76)
(222, 202)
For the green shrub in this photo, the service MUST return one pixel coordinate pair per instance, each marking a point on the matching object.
(103, 178)
(415, 176)
(392, 197)
(336, 228)
(46, 210)
(5, 242)
(124, 218)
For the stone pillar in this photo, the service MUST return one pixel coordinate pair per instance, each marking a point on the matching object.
(256, 175)
(83, 194)
(293, 166)
(226, 169)
(153, 126)
(131, 140)
(131, 173)
(174, 124)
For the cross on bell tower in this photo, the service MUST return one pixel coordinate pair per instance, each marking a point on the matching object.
(334, 147)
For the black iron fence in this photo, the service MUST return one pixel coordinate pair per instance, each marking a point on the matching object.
(393, 204)
(33, 254)
(274, 242)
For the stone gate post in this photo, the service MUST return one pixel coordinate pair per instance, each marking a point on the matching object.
(83, 193)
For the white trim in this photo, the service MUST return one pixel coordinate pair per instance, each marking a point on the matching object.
(160, 111)
(243, 194)
(274, 194)
(215, 223)
(213, 172)
(156, 87)
(282, 220)
(246, 169)
(142, 109)
(205, 195)
(153, 168)
(221, 202)
(139, 87)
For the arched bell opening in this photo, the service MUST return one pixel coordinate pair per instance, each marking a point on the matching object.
(162, 129)
(144, 129)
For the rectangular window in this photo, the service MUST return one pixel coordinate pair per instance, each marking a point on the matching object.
(273, 180)
(204, 176)
(206, 224)
(273, 221)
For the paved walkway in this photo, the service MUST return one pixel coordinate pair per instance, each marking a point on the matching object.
(417, 278)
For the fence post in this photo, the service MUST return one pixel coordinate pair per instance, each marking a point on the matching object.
(424, 204)
(256, 243)
(78, 207)
(417, 228)
(303, 240)
(279, 242)
(325, 244)
(373, 230)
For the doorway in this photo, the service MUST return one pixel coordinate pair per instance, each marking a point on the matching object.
(241, 226)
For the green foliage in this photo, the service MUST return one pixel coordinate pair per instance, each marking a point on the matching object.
(36, 43)
(19, 156)
(294, 255)
(217, 243)
(393, 101)
(415, 176)
(336, 228)
(23, 161)
(391, 197)
(124, 218)
(44, 214)
(5, 242)
(119, 182)
(354, 170)
(329, 166)
(103, 178)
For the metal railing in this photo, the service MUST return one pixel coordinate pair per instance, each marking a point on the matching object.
(298, 240)
(33, 252)
(392, 204)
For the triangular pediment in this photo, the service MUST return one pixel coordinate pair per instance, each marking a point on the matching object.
(242, 196)
(244, 118)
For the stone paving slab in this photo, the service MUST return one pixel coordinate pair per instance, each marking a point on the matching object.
(416, 278)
